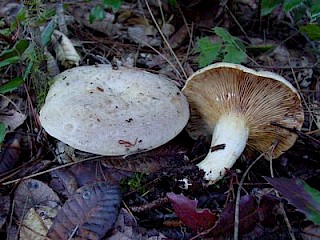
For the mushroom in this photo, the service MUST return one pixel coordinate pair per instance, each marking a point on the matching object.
(237, 106)
(110, 112)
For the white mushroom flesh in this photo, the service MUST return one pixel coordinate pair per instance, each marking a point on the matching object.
(231, 134)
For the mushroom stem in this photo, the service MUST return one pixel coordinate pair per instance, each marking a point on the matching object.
(232, 131)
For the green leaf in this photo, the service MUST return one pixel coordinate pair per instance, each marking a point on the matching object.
(312, 31)
(258, 49)
(9, 61)
(21, 46)
(315, 10)
(5, 32)
(11, 85)
(224, 34)
(21, 15)
(44, 16)
(172, 2)
(115, 4)
(2, 132)
(96, 13)
(16, 51)
(288, 5)
(47, 32)
(234, 54)
(28, 69)
(267, 6)
(208, 51)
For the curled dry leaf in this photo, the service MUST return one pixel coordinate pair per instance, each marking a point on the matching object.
(89, 214)
(4, 209)
(126, 227)
(37, 222)
(66, 53)
(33, 193)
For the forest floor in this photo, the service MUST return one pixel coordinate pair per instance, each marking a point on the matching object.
(158, 194)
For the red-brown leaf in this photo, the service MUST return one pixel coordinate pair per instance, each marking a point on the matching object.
(186, 210)
(89, 214)
(248, 217)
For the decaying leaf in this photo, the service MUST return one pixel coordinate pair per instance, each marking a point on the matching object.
(311, 232)
(248, 218)
(186, 210)
(12, 119)
(89, 214)
(126, 228)
(168, 155)
(316, 111)
(37, 222)
(86, 172)
(66, 53)
(4, 209)
(33, 193)
(63, 182)
(268, 210)
(9, 154)
(305, 198)
(144, 34)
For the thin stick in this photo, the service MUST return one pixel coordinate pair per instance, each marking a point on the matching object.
(301, 95)
(283, 212)
(165, 40)
(236, 210)
(50, 170)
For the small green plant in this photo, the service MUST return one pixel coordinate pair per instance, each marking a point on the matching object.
(98, 13)
(135, 182)
(300, 11)
(229, 49)
(23, 52)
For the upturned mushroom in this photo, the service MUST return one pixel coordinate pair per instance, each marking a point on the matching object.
(237, 107)
(110, 112)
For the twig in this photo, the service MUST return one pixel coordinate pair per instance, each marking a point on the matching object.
(236, 210)
(283, 212)
(165, 40)
(61, 18)
(50, 170)
(301, 95)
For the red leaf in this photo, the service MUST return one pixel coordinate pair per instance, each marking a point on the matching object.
(186, 210)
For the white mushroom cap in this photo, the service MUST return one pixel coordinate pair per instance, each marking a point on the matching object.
(236, 106)
(113, 112)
